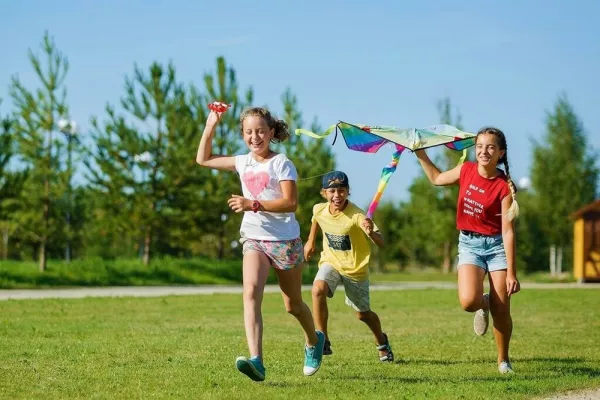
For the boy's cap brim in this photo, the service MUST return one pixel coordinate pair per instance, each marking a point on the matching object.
(335, 179)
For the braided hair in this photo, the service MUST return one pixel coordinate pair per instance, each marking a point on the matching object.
(513, 211)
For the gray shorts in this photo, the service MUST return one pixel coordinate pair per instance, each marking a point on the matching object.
(357, 292)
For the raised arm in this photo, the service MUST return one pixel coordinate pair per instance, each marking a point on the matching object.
(435, 176)
(205, 157)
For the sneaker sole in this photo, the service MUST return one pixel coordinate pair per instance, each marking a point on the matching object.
(246, 368)
(321, 363)
(314, 372)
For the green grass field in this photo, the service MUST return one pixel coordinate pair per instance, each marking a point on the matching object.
(185, 347)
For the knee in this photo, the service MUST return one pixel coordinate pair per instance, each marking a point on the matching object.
(320, 290)
(500, 309)
(470, 304)
(364, 316)
(251, 293)
(294, 307)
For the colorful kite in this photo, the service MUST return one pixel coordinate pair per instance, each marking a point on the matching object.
(370, 139)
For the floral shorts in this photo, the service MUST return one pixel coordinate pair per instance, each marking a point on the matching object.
(284, 254)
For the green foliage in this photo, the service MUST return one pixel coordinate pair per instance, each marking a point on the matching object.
(564, 172)
(221, 225)
(144, 196)
(37, 113)
(127, 272)
(312, 159)
(431, 211)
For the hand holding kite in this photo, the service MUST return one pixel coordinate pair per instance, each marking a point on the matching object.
(216, 110)
(218, 107)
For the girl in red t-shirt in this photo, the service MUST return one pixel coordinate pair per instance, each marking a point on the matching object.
(486, 209)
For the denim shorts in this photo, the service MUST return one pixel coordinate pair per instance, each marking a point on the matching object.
(486, 252)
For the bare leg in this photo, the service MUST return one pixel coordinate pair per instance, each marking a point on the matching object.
(500, 310)
(255, 272)
(372, 321)
(320, 290)
(470, 288)
(290, 282)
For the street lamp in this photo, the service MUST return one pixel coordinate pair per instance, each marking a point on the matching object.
(524, 183)
(69, 128)
(143, 158)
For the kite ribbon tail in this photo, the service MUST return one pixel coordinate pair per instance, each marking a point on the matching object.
(386, 174)
(315, 135)
(463, 157)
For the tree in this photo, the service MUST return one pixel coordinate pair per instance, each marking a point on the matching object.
(37, 115)
(390, 219)
(564, 173)
(448, 200)
(311, 157)
(223, 86)
(7, 184)
(432, 210)
(143, 159)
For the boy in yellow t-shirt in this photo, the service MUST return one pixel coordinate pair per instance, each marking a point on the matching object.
(345, 258)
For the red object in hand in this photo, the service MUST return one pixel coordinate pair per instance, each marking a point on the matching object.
(219, 107)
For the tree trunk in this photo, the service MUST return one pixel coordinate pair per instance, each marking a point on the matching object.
(552, 260)
(446, 262)
(221, 245)
(147, 242)
(559, 258)
(42, 254)
(46, 201)
(5, 244)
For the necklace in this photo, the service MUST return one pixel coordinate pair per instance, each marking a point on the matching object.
(253, 163)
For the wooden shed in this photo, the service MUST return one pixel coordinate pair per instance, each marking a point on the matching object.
(586, 242)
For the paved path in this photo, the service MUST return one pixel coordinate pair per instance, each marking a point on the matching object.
(157, 291)
(588, 394)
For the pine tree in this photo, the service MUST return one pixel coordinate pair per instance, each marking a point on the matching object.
(39, 147)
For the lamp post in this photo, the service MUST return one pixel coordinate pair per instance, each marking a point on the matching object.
(69, 128)
(144, 160)
(524, 183)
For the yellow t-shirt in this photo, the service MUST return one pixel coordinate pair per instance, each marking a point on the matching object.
(345, 245)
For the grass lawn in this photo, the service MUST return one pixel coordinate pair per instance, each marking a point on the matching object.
(185, 347)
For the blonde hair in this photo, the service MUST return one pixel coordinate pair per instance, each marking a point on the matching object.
(513, 211)
(279, 125)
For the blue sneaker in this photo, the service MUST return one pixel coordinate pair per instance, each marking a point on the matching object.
(314, 355)
(253, 368)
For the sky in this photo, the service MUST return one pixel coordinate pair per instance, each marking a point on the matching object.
(502, 63)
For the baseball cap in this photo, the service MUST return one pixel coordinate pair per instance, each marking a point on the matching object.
(330, 178)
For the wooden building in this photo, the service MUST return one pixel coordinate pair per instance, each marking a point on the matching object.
(586, 242)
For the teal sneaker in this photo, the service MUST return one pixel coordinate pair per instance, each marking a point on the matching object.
(253, 368)
(313, 356)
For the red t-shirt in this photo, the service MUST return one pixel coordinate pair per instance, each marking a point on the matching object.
(479, 205)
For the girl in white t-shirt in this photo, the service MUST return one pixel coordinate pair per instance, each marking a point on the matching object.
(270, 233)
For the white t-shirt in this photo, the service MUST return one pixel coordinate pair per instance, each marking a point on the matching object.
(260, 181)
